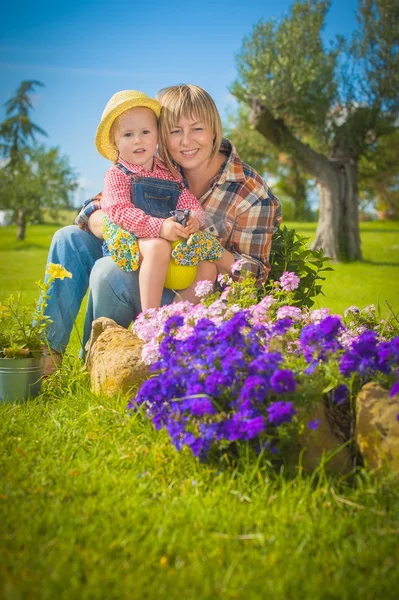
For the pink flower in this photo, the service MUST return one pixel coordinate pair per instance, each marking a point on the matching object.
(237, 265)
(203, 288)
(289, 281)
(292, 312)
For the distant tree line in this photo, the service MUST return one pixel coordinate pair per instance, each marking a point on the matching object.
(32, 178)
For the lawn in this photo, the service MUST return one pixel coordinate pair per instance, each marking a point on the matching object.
(97, 504)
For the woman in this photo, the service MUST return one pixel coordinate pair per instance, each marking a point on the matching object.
(240, 211)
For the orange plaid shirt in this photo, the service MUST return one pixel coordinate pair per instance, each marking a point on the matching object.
(242, 212)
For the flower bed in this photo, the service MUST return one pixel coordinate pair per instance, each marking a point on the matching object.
(227, 371)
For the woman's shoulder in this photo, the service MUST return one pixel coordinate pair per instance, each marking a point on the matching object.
(243, 181)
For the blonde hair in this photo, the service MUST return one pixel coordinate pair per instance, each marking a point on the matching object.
(186, 100)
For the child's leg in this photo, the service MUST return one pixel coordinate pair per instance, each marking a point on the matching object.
(154, 260)
(206, 271)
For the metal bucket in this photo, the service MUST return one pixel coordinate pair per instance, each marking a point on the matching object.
(20, 378)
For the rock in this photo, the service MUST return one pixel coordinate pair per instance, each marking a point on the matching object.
(113, 358)
(315, 444)
(377, 427)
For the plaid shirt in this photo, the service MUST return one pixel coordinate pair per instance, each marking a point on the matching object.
(117, 204)
(240, 210)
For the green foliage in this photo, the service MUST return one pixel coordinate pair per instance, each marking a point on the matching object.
(292, 185)
(32, 178)
(23, 327)
(17, 131)
(379, 174)
(287, 68)
(40, 180)
(290, 252)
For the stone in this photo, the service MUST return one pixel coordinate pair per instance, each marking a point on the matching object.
(319, 443)
(377, 426)
(113, 359)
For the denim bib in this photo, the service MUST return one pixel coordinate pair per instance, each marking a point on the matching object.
(155, 197)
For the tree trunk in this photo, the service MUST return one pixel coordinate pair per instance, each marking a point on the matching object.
(338, 227)
(337, 178)
(21, 224)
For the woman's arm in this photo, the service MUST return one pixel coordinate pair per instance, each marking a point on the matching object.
(95, 223)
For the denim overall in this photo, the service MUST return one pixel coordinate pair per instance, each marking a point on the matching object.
(155, 197)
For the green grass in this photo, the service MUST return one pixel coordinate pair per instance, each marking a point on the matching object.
(96, 504)
(373, 281)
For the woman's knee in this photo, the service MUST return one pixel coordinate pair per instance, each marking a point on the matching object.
(207, 271)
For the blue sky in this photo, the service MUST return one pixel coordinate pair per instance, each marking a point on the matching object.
(85, 51)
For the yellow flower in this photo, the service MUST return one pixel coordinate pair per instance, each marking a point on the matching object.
(58, 272)
(4, 312)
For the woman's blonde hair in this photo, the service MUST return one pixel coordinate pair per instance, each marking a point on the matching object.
(186, 100)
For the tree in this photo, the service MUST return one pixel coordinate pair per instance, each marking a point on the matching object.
(292, 185)
(379, 175)
(325, 107)
(31, 177)
(17, 131)
(42, 180)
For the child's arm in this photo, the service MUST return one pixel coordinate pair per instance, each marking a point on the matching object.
(117, 204)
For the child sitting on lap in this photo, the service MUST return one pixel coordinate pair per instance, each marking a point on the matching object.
(140, 194)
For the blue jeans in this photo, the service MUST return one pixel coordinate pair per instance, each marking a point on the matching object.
(113, 292)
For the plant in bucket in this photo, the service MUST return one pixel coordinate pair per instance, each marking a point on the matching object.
(23, 341)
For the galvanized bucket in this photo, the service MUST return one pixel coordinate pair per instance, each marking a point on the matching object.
(20, 378)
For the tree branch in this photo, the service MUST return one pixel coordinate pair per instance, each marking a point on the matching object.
(277, 133)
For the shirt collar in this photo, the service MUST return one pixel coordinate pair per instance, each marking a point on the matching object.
(232, 169)
(139, 170)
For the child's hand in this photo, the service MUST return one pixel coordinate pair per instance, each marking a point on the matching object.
(172, 231)
(192, 225)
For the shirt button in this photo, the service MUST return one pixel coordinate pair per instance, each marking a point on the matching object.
(211, 229)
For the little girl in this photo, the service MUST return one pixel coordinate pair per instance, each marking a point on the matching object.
(140, 194)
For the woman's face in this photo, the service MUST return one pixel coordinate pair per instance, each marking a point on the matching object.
(190, 143)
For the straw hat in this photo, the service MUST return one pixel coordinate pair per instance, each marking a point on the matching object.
(119, 103)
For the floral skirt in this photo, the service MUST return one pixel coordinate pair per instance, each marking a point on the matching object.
(123, 248)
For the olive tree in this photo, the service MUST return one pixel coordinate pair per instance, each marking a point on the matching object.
(323, 106)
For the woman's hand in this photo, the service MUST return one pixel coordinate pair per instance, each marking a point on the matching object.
(192, 225)
(172, 231)
(95, 223)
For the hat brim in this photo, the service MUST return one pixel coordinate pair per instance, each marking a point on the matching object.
(103, 141)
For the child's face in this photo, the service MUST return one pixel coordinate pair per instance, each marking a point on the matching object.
(136, 136)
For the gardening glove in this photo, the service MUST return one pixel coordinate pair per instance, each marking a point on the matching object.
(200, 246)
(121, 245)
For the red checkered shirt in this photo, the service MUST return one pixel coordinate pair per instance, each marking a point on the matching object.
(117, 204)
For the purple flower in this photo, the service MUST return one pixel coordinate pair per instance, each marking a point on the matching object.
(173, 323)
(394, 389)
(254, 389)
(282, 325)
(339, 394)
(215, 383)
(314, 424)
(265, 364)
(283, 381)
(198, 406)
(281, 412)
